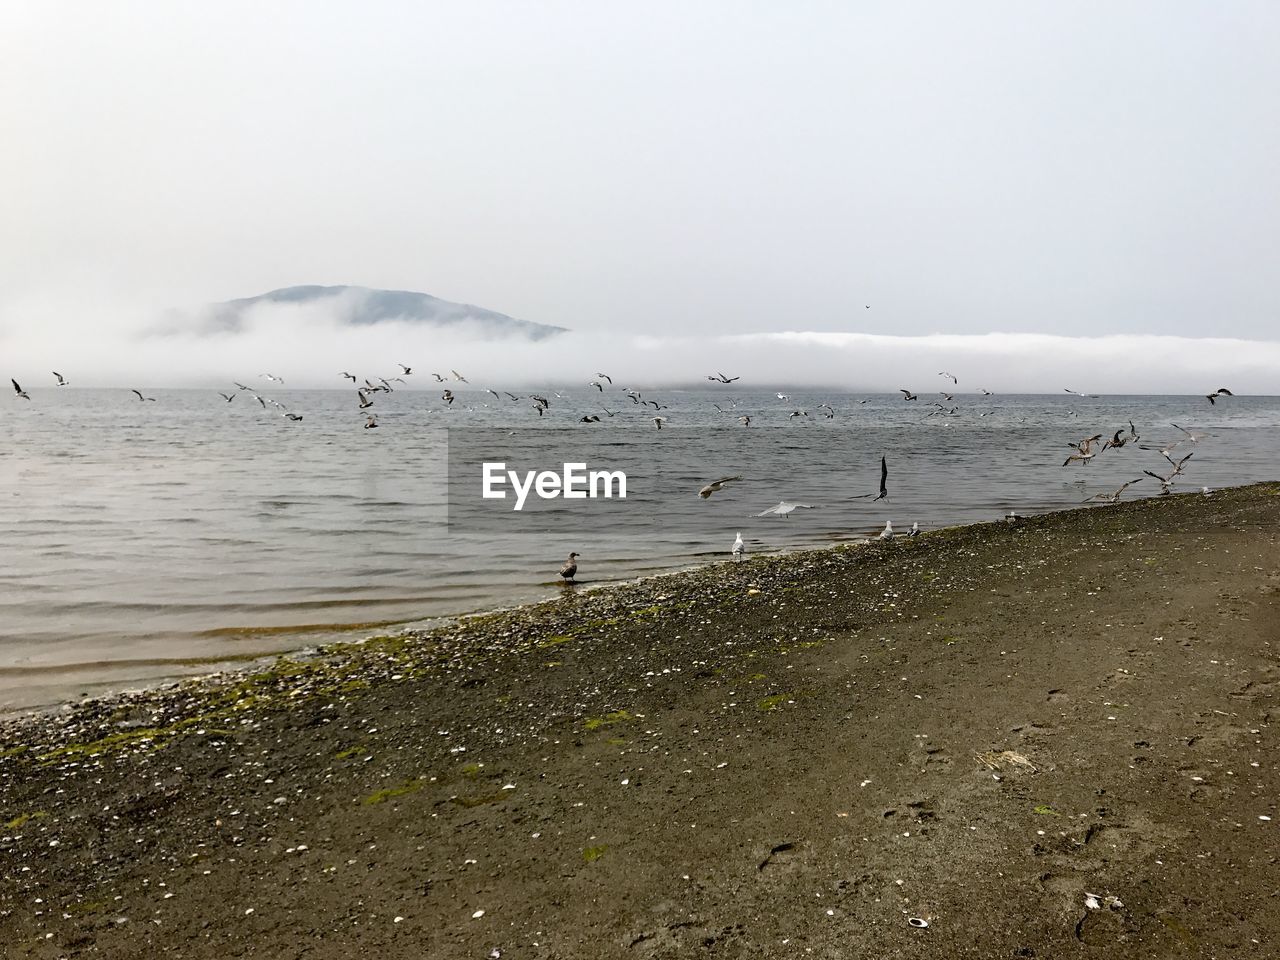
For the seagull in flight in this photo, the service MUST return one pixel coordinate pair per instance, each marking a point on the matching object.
(18, 390)
(721, 378)
(605, 376)
(715, 486)
(884, 484)
(784, 508)
(371, 422)
(596, 384)
(1113, 497)
(365, 402)
(907, 394)
(272, 377)
(407, 369)
(292, 416)
(439, 379)
(659, 421)
(1220, 392)
(447, 396)
(239, 384)
(141, 397)
(61, 381)
(745, 420)
(226, 396)
(950, 376)
(782, 396)
(349, 376)
(738, 548)
(1077, 393)
(459, 377)
(255, 396)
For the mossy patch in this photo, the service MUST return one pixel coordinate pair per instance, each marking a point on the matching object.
(22, 819)
(554, 641)
(608, 720)
(773, 702)
(348, 753)
(1046, 811)
(390, 793)
(592, 854)
(13, 752)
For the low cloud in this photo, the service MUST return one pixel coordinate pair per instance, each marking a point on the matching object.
(308, 347)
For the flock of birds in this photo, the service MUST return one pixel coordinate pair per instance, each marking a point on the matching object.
(1084, 451)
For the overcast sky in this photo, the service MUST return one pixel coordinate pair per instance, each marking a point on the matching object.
(693, 168)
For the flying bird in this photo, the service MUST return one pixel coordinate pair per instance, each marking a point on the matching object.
(141, 397)
(1113, 497)
(721, 378)
(745, 420)
(447, 396)
(593, 418)
(1220, 392)
(950, 376)
(715, 486)
(371, 422)
(439, 379)
(255, 396)
(226, 396)
(782, 396)
(596, 384)
(292, 416)
(907, 394)
(784, 508)
(659, 421)
(239, 384)
(570, 568)
(407, 369)
(605, 376)
(272, 377)
(1077, 393)
(349, 376)
(18, 390)
(458, 376)
(365, 402)
(61, 381)
(884, 484)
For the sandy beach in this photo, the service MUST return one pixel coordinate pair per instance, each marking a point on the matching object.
(1044, 738)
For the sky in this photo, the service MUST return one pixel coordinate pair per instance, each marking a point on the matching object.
(693, 174)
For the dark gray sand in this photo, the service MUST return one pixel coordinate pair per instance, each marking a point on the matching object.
(787, 757)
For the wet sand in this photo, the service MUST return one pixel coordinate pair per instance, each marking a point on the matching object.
(791, 756)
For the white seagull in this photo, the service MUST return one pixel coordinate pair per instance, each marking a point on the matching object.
(784, 508)
(738, 547)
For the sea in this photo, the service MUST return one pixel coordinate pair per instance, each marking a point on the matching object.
(145, 540)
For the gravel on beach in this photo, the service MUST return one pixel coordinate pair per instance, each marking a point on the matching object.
(1039, 738)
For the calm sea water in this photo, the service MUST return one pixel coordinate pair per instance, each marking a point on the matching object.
(153, 539)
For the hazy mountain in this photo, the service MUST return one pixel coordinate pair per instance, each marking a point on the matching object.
(361, 306)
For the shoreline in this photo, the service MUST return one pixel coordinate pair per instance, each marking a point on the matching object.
(444, 623)
(746, 756)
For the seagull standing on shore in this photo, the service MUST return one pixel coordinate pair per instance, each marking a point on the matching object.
(887, 532)
(738, 547)
(570, 568)
(915, 530)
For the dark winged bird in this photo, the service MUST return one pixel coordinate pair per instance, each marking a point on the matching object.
(570, 568)
(18, 390)
(884, 484)
(907, 394)
(715, 486)
(721, 378)
(1220, 392)
(61, 382)
(141, 397)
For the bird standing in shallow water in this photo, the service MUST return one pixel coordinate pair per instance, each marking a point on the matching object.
(570, 568)
(738, 548)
